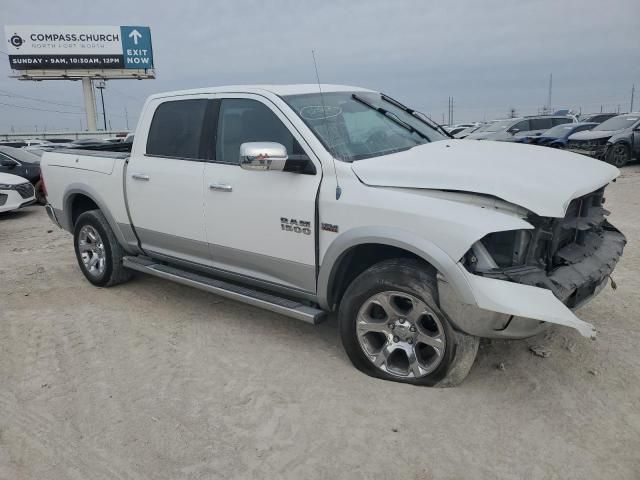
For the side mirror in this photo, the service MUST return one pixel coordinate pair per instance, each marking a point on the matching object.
(263, 156)
(513, 131)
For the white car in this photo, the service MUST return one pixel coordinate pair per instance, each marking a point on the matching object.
(306, 201)
(15, 192)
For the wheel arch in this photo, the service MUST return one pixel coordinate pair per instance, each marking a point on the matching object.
(369, 241)
(78, 199)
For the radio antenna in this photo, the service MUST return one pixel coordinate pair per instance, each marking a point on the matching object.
(324, 117)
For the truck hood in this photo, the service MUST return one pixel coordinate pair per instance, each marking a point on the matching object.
(592, 135)
(542, 180)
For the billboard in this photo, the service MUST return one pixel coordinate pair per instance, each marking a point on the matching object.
(46, 47)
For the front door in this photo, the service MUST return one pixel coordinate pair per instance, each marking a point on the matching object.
(164, 181)
(260, 224)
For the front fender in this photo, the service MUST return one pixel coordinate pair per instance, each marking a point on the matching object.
(393, 237)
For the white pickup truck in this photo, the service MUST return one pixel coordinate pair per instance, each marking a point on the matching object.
(308, 199)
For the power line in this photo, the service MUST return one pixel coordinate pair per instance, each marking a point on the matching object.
(39, 109)
(7, 93)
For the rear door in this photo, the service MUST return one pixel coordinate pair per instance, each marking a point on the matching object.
(164, 179)
(260, 224)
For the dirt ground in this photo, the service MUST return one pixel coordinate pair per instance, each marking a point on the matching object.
(153, 380)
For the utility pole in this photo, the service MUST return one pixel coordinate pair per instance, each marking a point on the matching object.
(450, 111)
(633, 90)
(101, 85)
(549, 94)
(126, 117)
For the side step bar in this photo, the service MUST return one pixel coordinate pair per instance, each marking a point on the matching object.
(273, 303)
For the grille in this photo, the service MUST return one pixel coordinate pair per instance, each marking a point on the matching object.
(3, 199)
(25, 190)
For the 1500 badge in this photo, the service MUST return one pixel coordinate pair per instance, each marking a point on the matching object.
(293, 225)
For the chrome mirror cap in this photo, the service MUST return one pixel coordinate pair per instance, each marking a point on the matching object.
(263, 156)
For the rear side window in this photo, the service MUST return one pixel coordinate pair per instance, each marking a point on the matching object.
(541, 123)
(176, 129)
(561, 121)
(243, 120)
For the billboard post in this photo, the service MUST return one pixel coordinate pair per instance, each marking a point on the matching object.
(80, 52)
(89, 104)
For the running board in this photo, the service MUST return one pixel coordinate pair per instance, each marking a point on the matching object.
(273, 303)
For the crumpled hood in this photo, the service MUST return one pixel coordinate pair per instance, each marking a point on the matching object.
(592, 135)
(542, 180)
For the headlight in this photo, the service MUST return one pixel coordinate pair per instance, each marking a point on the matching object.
(6, 186)
(498, 250)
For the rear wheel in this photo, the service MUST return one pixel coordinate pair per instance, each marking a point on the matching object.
(619, 155)
(98, 252)
(392, 327)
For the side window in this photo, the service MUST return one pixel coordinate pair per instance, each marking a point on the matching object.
(522, 126)
(540, 123)
(560, 121)
(176, 129)
(243, 120)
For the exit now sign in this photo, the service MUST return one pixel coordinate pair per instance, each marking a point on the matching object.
(136, 47)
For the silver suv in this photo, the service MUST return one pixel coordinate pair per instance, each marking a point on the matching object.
(515, 129)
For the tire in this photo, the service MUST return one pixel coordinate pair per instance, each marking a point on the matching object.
(618, 155)
(392, 328)
(98, 252)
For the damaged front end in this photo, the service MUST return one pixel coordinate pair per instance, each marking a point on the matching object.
(571, 257)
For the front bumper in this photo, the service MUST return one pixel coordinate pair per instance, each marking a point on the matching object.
(595, 152)
(12, 200)
(508, 309)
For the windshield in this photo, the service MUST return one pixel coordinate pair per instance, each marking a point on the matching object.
(618, 123)
(357, 125)
(559, 131)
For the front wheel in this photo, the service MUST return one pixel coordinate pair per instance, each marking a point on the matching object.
(619, 154)
(392, 328)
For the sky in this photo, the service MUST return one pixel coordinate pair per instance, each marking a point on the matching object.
(489, 55)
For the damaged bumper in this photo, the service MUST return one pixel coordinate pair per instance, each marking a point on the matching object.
(519, 302)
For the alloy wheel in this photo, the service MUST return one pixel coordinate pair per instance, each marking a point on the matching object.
(92, 251)
(400, 334)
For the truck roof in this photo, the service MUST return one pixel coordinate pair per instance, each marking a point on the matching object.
(295, 89)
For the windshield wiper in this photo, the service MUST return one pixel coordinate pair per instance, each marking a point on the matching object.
(414, 113)
(392, 116)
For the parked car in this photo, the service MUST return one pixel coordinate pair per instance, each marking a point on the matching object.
(453, 131)
(305, 202)
(558, 136)
(513, 129)
(597, 117)
(13, 143)
(25, 164)
(616, 141)
(15, 192)
(467, 131)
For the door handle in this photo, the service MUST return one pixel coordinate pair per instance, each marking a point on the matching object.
(140, 176)
(221, 187)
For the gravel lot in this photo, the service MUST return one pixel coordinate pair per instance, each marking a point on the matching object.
(153, 380)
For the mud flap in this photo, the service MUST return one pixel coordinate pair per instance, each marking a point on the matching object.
(525, 301)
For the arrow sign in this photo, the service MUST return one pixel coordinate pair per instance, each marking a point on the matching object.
(136, 35)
